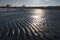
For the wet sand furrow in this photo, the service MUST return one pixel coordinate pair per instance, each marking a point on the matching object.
(4, 34)
(32, 26)
(31, 31)
(25, 30)
(15, 36)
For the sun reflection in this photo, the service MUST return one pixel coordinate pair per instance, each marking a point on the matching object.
(35, 16)
(38, 17)
(38, 11)
(38, 14)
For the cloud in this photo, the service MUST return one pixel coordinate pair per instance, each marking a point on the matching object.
(36, 1)
(47, 0)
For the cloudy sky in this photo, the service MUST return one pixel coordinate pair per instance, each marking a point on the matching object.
(31, 2)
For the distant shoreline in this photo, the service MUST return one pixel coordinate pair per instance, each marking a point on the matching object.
(50, 7)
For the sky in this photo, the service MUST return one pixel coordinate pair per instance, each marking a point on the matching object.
(31, 2)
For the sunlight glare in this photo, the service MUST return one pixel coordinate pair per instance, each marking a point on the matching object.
(37, 18)
(38, 11)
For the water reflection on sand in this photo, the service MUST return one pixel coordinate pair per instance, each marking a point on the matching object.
(28, 24)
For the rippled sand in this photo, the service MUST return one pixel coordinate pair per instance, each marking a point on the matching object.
(29, 24)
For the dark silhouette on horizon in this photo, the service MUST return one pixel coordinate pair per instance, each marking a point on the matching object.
(23, 6)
